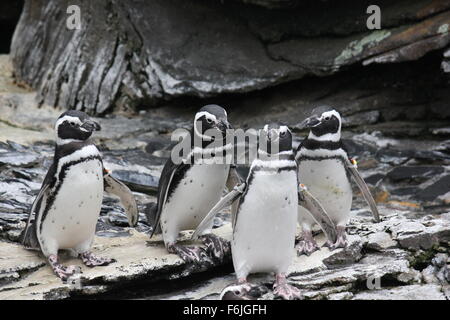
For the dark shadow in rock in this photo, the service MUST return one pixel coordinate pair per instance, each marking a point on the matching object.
(433, 191)
(136, 181)
(414, 174)
(374, 179)
(406, 191)
(133, 156)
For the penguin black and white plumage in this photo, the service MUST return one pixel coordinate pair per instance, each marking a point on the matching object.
(324, 168)
(68, 205)
(188, 190)
(265, 220)
(265, 223)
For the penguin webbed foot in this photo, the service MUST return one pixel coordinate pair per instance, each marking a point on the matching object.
(91, 260)
(282, 289)
(62, 271)
(216, 247)
(195, 255)
(341, 240)
(307, 245)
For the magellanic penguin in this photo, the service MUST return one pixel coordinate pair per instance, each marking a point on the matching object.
(189, 189)
(68, 205)
(324, 167)
(265, 223)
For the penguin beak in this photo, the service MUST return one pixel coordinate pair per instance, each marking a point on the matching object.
(223, 125)
(310, 122)
(90, 125)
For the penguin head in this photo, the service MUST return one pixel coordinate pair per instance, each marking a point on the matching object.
(324, 124)
(74, 125)
(275, 140)
(211, 122)
(237, 292)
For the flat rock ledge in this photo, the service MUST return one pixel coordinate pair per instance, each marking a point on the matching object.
(377, 264)
(25, 275)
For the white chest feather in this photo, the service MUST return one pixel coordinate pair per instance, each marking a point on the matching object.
(264, 234)
(73, 216)
(328, 182)
(195, 195)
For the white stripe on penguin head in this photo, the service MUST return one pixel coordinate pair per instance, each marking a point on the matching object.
(198, 116)
(68, 118)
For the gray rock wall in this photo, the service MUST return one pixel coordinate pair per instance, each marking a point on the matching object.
(143, 53)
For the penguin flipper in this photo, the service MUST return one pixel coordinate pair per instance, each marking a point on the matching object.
(307, 200)
(165, 185)
(352, 168)
(28, 237)
(119, 189)
(234, 179)
(151, 211)
(230, 198)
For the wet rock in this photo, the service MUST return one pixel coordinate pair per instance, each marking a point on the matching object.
(393, 160)
(428, 275)
(132, 157)
(137, 181)
(444, 147)
(135, 261)
(406, 191)
(438, 271)
(391, 263)
(380, 241)
(374, 141)
(416, 174)
(272, 3)
(18, 159)
(413, 292)
(438, 188)
(415, 235)
(327, 292)
(138, 64)
(445, 65)
(407, 228)
(348, 255)
(370, 117)
(340, 296)
(374, 179)
(441, 131)
(440, 260)
(159, 146)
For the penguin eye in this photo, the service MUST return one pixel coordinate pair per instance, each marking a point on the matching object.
(327, 118)
(282, 133)
(209, 120)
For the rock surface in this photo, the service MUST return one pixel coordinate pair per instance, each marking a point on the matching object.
(407, 250)
(413, 292)
(143, 54)
(137, 258)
